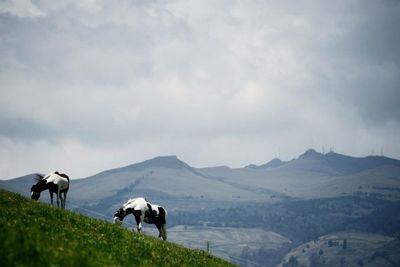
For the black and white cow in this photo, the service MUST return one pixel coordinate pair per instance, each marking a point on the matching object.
(55, 182)
(144, 211)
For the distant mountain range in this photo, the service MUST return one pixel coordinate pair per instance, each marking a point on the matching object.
(311, 175)
(340, 163)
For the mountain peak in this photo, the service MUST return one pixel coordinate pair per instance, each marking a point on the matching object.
(271, 164)
(171, 162)
(166, 158)
(310, 154)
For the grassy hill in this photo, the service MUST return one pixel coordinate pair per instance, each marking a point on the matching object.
(36, 234)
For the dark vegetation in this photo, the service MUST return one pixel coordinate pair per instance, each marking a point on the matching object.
(305, 220)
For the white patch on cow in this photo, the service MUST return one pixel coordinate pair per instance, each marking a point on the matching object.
(60, 181)
(136, 204)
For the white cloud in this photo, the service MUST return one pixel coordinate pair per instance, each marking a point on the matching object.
(21, 9)
(215, 82)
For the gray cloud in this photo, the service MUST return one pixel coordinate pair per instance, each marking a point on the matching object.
(95, 84)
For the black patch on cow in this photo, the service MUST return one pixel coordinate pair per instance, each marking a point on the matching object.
(161, 216)
(35, 195)
(62, 175)
(151, 215)
(137, 214)
(129, 211)
(38, 188)
(120, 214)
(52, 187)
(158, 225)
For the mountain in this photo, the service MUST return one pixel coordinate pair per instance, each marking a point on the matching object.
(311, 154)
(271, 164)
(169, 162)
(165, 179)
(348, 165)
(316, 175)
(173, 182)
(21, 185)
(311, 175)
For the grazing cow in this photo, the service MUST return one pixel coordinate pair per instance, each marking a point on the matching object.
(55, 182)
(144, 211)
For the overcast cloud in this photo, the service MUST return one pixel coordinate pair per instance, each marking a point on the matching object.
(91, 85)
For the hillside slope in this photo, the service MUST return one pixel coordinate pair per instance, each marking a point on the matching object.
(36, 234)
(166, 177)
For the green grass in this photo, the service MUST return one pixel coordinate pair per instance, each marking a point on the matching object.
(36, 234)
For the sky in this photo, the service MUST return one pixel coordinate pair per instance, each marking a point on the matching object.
(88, 85)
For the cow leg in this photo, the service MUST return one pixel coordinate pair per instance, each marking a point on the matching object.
(159, 229)
(162, 231)
(138, 218)
(65, 198)
(58, 198)
(62, 200)
(51, 197)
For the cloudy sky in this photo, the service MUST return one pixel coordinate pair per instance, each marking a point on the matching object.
(90, 85)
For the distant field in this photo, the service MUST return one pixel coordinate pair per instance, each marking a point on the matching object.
(36, 234)
(346, 249)
(226, 240)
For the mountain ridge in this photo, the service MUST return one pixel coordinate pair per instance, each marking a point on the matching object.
(169, 161)
(347, 164)
(276, 180)
(274, 163)
(173, 162)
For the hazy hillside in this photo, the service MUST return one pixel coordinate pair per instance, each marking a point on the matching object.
(316, 175)
(20, 185)
(167, 175)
